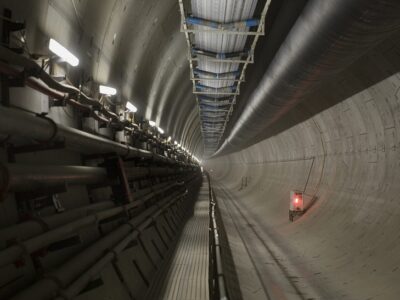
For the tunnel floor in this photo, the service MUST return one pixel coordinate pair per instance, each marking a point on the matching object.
(263, 270)
(186, 274)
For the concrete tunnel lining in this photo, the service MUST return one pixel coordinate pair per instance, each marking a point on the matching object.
(349, 239)
(341, 146)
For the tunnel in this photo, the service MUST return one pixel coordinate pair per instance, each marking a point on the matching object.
(200, 149)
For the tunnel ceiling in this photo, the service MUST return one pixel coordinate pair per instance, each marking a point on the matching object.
(137, 46)
(221, 37)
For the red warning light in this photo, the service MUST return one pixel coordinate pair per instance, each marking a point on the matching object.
(296, 204)
(297, 201)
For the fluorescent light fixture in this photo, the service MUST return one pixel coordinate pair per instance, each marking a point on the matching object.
(175, 142)
(107, 90)
(63, 52)
(131, 107)
(160, 130)
(169, 139)
(196, 159)
(152, 123)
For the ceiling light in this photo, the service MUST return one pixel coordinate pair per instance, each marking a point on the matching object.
(107, 90)
(131, 107)
(175, 142)
(169, 139)
(160, 130)
(62, 52)
(152, 123)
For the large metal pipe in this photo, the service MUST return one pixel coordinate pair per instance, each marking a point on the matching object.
(79, 284)
(151, 189)
(38, 225)
(62, 92)
(112, 119)
(19, 123)
(25, 178)
(327, 38)
(35, 243)
(141, 172)
(113, 243)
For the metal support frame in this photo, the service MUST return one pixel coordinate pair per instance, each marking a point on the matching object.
(216, 91)
(248, 60)
(227, 76)
(208, 114)
(205, 110)
(232, 32)
(189, 28)
(190, 31)
(253, 46)
(120, 188)
(216, 79)
(216, 102)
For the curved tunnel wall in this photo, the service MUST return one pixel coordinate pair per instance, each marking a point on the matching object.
(135, 46)
(347, 158)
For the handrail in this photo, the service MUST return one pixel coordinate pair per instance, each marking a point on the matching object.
(216, 272)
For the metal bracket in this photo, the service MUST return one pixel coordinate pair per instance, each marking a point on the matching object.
(10, 26)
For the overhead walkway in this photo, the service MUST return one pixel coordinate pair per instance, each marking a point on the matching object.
(186, 274)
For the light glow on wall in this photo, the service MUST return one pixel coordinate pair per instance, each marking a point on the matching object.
(131, 107)
(63, 53)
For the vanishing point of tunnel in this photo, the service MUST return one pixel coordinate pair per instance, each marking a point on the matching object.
(200, 149)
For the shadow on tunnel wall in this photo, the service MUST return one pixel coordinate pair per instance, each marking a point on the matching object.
(372, 68)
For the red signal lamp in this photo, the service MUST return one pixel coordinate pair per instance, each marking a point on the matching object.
(296, 204)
